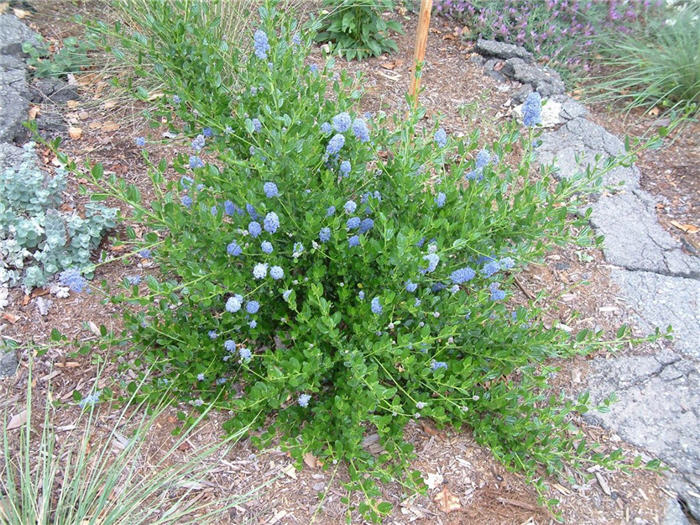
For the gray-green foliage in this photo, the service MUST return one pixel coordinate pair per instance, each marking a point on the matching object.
(37, 239)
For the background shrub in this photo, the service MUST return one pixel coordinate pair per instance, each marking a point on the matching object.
(356, 27)
(657, 66)
(326, 274)
(37, 238)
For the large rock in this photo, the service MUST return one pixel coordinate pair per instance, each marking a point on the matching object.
(493, 48)
(10, 156)
(580, 144)
(13, 33)
(544, 80)
(635, 240)
(13, 111)
(8, 362)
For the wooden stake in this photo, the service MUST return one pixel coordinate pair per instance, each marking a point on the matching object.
(426, 7)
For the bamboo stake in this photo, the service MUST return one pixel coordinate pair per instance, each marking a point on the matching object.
(426, 7)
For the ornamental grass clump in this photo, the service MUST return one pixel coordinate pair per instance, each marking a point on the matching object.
(322, 303)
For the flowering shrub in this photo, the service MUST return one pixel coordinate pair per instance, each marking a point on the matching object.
(562, 31)
(326, 274)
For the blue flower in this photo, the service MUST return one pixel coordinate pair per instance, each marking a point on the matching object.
(176, 99)
(271, 222)
(198, 143)
(532, 110)
(252, 307)
(133, 280)
(354, 241)
(297, 249)
(186, 182)
(326, 128)
(433, 260)
(335, 144)
(330, 211)
(462, 275)
(254, 228)
(221, 381)
(196, 162)
(229, 208)
(253, 323)
(140, 142)
(507, 263)
(496, 294)
(490, 268)
(483, 158)
(286, 294)
(72, 279)
(270, 189)
(145, 253)
(296, 39)
(437, 287)
(257, 125)
(200, 377)
(417, 302)
(266, 247)
(260, 271)
(440, 199)
(245, 354)
(475, 174)
(277, 273)
(350, 207)
(353, 223)
(375, 306)
(411, 286)
(359, 128)
(186, 201)
(436, 365)
(234, 249)
(251, 211)
(90, 400)
(214, 210)
(230, 345)
(212, 334)
(366, 225)
(261, 44)
(208, 132)
(361, 295)
(440, 138)
(313, 68)
(234, 303)
(342, 122)
(325, 234)
(304, 400)
(345, 168)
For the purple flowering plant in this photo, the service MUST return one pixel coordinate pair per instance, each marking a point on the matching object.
(437, 326)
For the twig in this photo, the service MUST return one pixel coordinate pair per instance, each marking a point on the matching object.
(527, 292)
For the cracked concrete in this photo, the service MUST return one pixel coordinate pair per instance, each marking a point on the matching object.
(658, 395)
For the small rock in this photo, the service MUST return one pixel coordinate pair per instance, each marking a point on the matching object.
(8, 362)
(501, 50)
(55, 90)
(545, 81)
(43, 305)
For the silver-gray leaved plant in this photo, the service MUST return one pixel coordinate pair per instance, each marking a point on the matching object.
(37, 238)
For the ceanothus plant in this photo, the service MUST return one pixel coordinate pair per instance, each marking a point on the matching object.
(326, 274)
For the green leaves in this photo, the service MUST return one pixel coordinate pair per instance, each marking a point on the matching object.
(357, 28)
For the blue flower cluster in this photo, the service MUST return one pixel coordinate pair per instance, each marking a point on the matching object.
(271, 222)
(270, 189)
(261, 44)
(73, 279)
(532, 110)
(440, 138)
(335, 144)
(375, 306)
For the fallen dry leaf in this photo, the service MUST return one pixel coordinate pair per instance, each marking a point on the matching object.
(446, 501)
(21, 13)
(75, 133)
(12, 318)
(17, 420)
(391, 64)
(311, 461)
(290, 471)
(3, 7)
(110, 104)
(654, 112)
(72, 104)
(83, 115)
(110, 126)
(687, 228)
(33, 112)
(68, 364)
(431, 430)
